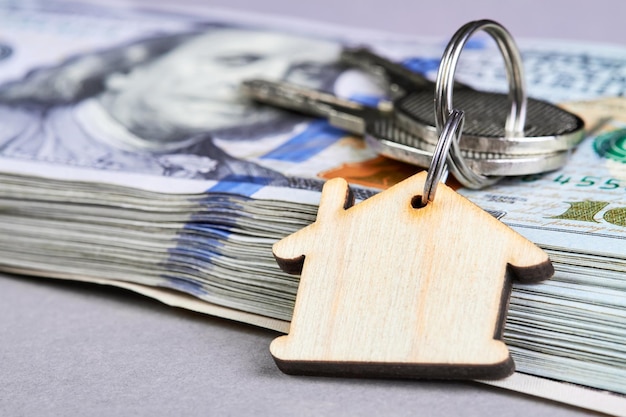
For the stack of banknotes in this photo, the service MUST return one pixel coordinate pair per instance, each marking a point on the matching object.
(129, 157)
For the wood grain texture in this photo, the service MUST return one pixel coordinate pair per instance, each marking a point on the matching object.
(390, 290)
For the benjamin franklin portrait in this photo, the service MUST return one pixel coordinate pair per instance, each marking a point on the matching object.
(158, 105)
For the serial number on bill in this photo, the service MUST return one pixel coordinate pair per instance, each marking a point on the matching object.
(591, 181)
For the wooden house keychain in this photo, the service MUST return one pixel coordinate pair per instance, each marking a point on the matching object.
(408, 284)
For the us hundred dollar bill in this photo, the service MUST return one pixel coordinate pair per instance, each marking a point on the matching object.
(582, 207)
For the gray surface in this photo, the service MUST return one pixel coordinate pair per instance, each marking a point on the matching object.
(80, 349)
(77, 349)
(597, 20)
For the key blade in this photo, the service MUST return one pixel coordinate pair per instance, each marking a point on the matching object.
(394, 73)
(342, 113)
(291, 96)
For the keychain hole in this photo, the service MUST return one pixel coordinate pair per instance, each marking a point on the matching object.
(416, 202)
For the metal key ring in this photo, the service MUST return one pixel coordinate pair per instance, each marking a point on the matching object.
(444, 84)
(437, 172)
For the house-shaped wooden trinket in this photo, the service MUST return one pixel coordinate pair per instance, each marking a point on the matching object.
(392, 289)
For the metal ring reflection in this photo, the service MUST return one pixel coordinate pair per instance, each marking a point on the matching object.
(443, 104)
(438, 171)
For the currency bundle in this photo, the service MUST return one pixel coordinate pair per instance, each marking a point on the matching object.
(129, 157)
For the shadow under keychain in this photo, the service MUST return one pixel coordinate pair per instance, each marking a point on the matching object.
(407, 283)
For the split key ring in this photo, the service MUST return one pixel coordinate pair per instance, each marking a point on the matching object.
(443, 102)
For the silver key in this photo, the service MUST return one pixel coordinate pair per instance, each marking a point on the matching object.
(341, 113)
(548, 128)
(381, 131)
